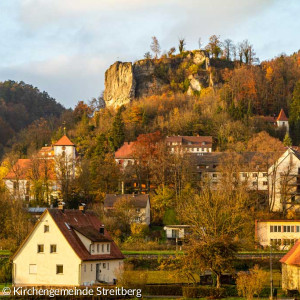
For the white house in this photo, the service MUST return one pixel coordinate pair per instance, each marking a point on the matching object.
(278, 233)
(67, 248)
(282, 120)
(284, 182)
(176, 231)
(139, 202)
(48, 163)
(189, 144)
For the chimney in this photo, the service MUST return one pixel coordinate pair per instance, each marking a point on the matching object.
(61, 205)
(101, 230)
(82, 207)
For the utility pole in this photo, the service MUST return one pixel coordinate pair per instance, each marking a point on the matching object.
(271, 274)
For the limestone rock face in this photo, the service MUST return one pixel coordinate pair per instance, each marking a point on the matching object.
(195, 85)
(119, 84)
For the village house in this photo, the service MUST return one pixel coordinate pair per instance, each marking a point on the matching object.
(290, 265)
(67, 248)
(284, 182)
(174, 232)
(46, 166)
(189, 144)
(280, 234)
(140, 204)
(279, 122)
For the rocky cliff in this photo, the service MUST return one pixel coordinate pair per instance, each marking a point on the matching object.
(126, 81)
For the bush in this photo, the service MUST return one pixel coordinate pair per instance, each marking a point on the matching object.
(163, 290)
(203, 291)
(5, 270)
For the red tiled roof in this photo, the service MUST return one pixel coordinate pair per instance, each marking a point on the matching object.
(195, 140)
(64, 141)
(23, 169)
(277, 220)
(138, 201)
(125, 151)
(293, 256)
(81, 221)
(282, 116)
(19, 170)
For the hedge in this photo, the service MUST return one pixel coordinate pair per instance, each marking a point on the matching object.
(203, 291)
(163, 290)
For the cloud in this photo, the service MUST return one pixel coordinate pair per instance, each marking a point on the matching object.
(65, 46)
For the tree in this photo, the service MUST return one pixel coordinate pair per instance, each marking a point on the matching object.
(171, 51)
(287, 140)
(228, 49)
(295, 114)
(118, 128)
(155, 47)
(147, 55)
(218, 220)
(251, 283)
(181, 45)
(214, 46)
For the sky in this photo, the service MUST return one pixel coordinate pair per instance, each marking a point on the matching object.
(63, 47)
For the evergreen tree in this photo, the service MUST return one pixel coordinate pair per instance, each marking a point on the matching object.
(287, 140)
(294, 114)
(118, 130)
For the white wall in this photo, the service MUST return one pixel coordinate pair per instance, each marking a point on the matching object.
(46, 262)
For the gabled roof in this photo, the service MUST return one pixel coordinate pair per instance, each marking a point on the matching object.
(201, 141)
(282, 116)
(125, 151)
(138, 201)
(293, 256)
(23, 169)
(19, 170)
(88, 224)
(64, 141)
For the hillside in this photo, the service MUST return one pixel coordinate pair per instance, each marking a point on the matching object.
(20, 105)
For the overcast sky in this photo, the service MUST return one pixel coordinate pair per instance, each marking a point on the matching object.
(63, 47)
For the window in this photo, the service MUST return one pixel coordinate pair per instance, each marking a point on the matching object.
(271, 229)
(91, 267)
(102, 247)
(98, 248)
(254, 175)
(46, 228)
(104, 265)
(52, 248)
(40, 248)
(32, 269)
(59, 269)
(292, 228)
(215, 175)
(254, 183)
(138, 210)
(297, 228)
(265, 174)
(245, 175)
(108, 266)
(265, 182)
(275, 228)
(107, 247)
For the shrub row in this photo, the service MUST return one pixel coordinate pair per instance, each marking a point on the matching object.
(203, 291)
(163, 290)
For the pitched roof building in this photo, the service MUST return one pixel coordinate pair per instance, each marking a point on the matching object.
(140, 203)
(67, 247)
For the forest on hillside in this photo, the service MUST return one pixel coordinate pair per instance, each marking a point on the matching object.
(22, 105)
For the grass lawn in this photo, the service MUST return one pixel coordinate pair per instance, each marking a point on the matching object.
(5, 252)
(2, 285)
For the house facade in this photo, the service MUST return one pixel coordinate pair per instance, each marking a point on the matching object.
(139, 203)
(67, 248)
(281, 234)
(290, 266)
(189, 144)
(47, 168)
(284, 182)
(174, 232)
